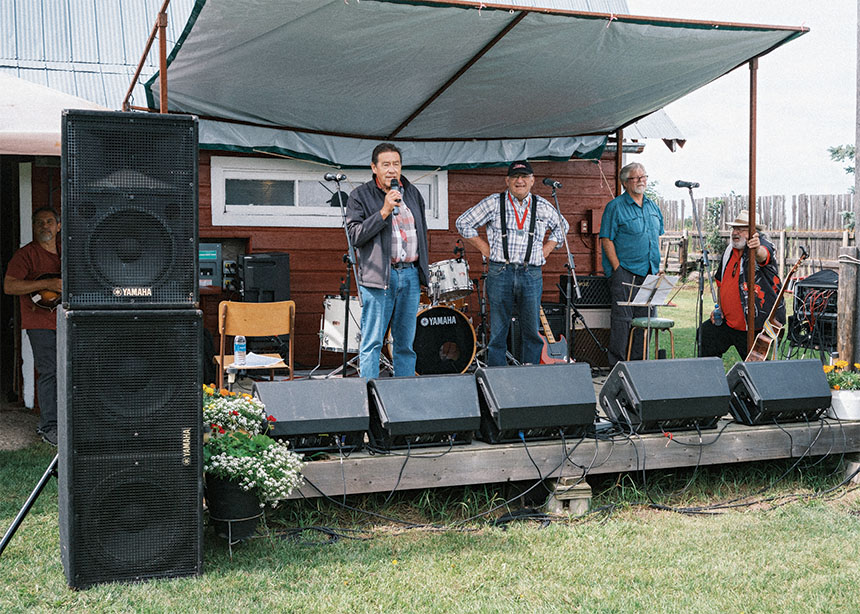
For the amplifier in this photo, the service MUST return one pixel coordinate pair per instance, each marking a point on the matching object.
(817, 293)
(593, 288)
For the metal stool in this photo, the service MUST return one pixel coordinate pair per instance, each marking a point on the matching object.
(649, 324)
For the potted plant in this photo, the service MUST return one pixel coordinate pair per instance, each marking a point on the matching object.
(845, 387)
(244, 468)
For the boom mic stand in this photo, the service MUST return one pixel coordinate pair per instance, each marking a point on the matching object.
(705, 264)
(571, 278)
(349, 261)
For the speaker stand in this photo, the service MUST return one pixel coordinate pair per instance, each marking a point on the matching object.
(49, 472)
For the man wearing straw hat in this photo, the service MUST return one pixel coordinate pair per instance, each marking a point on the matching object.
(731, 278)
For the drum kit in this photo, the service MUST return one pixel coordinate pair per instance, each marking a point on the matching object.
(445, 339)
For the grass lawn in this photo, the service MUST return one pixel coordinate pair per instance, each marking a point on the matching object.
(785, 545)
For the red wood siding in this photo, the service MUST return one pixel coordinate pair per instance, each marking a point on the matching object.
(316, 267)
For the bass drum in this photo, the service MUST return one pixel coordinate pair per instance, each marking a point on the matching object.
(444, 341)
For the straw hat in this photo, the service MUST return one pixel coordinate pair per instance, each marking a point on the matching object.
(743, 219)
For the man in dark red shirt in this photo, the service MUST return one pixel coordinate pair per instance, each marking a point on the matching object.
(732, 280)
(35, 269)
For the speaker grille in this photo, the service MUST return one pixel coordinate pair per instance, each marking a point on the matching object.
(135, 517)
(130, 449)
(129, 210)
(134, 379)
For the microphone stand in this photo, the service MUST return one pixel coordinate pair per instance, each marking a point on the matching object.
(571, 278)
(705, 264)
(349, 260)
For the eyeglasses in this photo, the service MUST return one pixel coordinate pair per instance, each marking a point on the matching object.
(640, 178)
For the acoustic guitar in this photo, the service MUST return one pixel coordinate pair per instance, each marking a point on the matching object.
(552, 351)
(768, 339)
(47, 299)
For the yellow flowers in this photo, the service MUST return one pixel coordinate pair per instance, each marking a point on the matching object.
(840, 378)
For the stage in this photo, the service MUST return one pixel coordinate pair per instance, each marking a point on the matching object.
(481, 463)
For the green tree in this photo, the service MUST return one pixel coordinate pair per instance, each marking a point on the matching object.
(843, 153)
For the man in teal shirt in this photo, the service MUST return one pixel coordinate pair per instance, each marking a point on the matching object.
(630, 236)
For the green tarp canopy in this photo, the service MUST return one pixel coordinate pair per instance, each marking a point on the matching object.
(457, 84)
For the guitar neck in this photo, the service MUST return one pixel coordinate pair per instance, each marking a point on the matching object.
(546, 329)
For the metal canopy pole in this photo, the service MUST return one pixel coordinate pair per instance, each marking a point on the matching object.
(751, 263)
(619, 139)
(159, 28)
(162, 59)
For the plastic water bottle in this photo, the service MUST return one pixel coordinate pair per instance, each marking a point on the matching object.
(240, 347)
(718, 315)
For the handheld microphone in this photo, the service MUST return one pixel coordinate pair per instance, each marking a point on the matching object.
(334, 177)
(686, 184)
(395, 185)
(551, 183)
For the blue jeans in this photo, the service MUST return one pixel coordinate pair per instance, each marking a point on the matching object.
(44, 344)
(509, 285)
(396, 306)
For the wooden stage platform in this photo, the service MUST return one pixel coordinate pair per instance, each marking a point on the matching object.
(481, 463)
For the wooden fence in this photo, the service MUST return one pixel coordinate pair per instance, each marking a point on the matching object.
(812, 221)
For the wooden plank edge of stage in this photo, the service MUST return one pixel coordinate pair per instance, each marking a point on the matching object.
(481, 463)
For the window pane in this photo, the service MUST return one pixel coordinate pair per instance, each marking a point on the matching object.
(315, 194)
(260, 192)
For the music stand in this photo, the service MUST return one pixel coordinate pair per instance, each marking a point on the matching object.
(651, 293)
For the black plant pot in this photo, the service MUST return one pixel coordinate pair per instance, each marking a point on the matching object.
(234, 513)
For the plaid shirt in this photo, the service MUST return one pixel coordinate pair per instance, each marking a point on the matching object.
(487, 212)
(403, 227)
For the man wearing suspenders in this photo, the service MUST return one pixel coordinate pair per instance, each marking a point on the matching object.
(516, 222)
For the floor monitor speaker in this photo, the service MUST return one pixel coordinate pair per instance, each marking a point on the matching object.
(130, 444)
(129, 210)
(778, 391)
(535, 402)
(408, 412)
(317, 415)
(653, 395)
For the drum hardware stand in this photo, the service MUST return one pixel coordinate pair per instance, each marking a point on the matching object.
(571, 278)
(10, 533)
(480, 282)
(704, 266)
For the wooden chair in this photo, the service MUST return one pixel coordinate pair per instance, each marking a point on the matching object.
(255, 320)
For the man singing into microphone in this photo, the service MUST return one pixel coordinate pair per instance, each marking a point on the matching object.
(386, 222)
(516, 221)
(630, 235)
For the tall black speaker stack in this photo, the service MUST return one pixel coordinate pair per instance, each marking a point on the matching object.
(129, 346)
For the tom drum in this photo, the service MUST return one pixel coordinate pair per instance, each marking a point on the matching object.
(450, 280)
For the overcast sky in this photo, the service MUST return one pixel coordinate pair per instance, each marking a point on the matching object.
(806, 103)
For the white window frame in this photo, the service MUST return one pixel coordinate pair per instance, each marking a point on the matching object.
(228, 167)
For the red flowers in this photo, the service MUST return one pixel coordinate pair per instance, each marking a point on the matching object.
(271, 419)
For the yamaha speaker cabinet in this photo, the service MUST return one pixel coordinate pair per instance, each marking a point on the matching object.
(410, 412)
(129, 210)
(317, 415)
(130, 444)
(777, 391)
(653, 395)
(535, 402)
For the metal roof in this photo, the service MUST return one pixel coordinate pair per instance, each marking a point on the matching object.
(85, 48)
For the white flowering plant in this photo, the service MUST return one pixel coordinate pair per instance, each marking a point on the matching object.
(236, 447)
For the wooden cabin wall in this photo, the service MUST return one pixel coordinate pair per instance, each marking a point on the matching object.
(316, 266)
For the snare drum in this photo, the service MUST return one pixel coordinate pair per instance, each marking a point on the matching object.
(444, 341)
(450, 280)
(331, 334)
